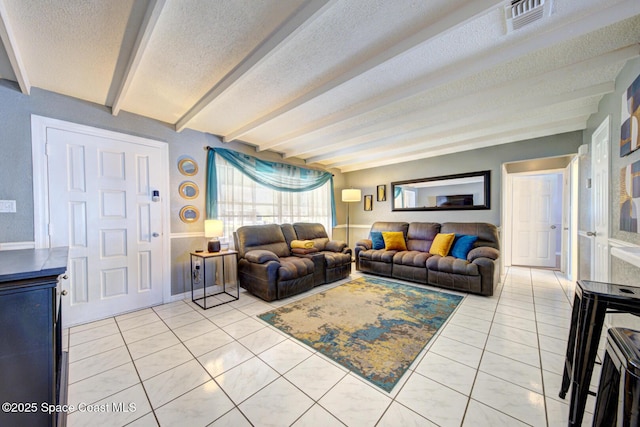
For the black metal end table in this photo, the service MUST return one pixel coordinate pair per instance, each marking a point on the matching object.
(202, 273)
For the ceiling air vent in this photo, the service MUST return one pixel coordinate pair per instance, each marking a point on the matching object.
(523, 12)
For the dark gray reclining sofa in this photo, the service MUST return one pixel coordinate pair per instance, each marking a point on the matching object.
(478, 274)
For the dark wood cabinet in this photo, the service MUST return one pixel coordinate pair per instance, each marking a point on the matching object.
(33, 365)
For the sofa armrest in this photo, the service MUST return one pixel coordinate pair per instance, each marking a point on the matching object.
(335, 246)
(365, 244)
(483, 252)
(261, 256)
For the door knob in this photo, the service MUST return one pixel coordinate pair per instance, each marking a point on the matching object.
(64, 292)
(591, 233)
(553, 227)
(155, 235)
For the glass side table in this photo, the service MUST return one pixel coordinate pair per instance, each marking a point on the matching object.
(201, 262)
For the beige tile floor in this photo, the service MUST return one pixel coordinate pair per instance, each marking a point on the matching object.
(497, 362)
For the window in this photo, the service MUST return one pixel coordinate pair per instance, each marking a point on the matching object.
(242, 201)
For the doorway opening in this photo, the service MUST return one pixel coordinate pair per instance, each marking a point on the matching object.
(538, 199)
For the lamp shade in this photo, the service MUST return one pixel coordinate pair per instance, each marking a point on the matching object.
(213, 228)
(351, 195)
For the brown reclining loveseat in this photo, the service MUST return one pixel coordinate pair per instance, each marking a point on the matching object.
(271, 269)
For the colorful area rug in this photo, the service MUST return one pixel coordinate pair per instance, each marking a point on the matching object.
(373, 327)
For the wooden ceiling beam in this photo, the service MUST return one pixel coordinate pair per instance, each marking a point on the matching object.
(514, 124)
(432, 131)
(543, 130)
(400, 122)
(13, 52)
(151, 17)
(301, 19)
(455, 19)
(596, 20)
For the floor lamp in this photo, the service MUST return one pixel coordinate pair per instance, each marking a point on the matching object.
(350, 195)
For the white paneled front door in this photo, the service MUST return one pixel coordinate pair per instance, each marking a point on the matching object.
(535, 229)
(101, 207)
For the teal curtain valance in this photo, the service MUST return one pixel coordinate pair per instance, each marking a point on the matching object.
(274, 175)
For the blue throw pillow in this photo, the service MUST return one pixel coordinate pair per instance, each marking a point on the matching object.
(377, 240)
(462, 245)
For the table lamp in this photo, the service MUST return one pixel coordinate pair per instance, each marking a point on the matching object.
(213, 228)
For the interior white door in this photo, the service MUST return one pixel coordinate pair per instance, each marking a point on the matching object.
(100, 196)
(565, 259)
(535, 229)
(600, 202)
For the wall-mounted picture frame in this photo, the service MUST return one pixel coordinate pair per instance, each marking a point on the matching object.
(368, 202)
(381, 193)
(629, 129)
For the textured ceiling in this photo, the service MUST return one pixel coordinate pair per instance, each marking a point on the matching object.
(348, 84)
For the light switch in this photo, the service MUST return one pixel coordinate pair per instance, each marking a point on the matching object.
(7, 206)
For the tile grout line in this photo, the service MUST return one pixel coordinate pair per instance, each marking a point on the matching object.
(477, 369)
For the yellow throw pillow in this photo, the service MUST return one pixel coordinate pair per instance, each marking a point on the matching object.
(394, 241)
(441, 244)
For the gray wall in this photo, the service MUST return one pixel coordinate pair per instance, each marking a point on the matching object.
(16, 166)
(620, 271)
(490, 158)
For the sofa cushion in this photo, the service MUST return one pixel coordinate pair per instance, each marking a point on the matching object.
(421, 235)
(394, 241)
(441, 244)
(294, 267)
(449, 264)
(267, 237)
(487, 233)
(411, 258)
(379, 255)
(462, 244)
(377, 242)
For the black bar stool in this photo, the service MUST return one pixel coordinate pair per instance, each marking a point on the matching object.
(618, 401)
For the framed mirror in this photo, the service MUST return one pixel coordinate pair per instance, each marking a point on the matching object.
(187, 166)
(189, 190)
(465, 191)
(189, 214)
